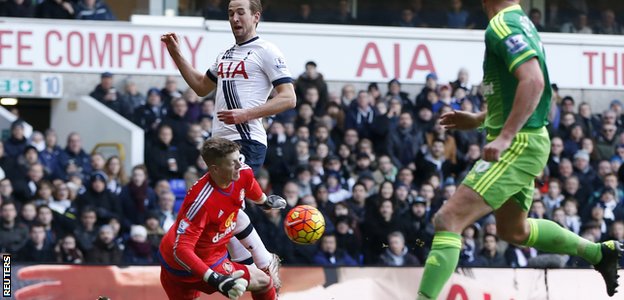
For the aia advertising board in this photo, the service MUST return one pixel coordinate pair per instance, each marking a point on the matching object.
(343, 53)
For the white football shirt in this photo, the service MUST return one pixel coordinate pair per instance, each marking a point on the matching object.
(245, 75)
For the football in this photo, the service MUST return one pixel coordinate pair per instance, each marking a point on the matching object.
(304, 224)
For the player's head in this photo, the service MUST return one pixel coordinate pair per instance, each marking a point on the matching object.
(491, 7)
(244, 16)
(222, 157)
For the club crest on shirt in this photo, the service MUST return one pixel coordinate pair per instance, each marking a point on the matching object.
(242, 195)
(227, 267)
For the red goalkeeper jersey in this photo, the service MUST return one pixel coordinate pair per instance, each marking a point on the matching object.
(205, 224)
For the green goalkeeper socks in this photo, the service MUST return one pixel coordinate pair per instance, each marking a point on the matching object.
(548, 236)
(440, 264)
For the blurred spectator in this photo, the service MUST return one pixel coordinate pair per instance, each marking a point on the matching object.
(165, 212)
(44, 193)
(170, 91)
(109, 96)
(376, 229)
(16, 143)
(191, 144)
(55, 9)
(605, 145)
(105, 250)
(117, 178)
(457, 16)
(176, 119)
(343, 14)
(37, 140)
(305, 14)
(489, 255)
(311, 78)
(347, 94)
(138, 250)
(589, 122)
(347, 238)
(518, 257)
(163, 159)
(329, 254)
(397, 253)
(67, 251)
(86, 232)
(417, 227)
(395, 92)
(28, 214)
(36, 249)
(213, 11)
(13, 234)
(580, 24)
(554, 197)
(26, 188)
(535, 15)
(583, 170)
(155, 232)
(361, 116)
(73, 159)
(60, 202)
(131, 96)
(93, 10)
(194, 111)
(8, 165)
(409, 18)
(6, 190)
(97, 162)
(49, 156)
(136, 197)
(29, 158)
(434, 162)
(150, 115)
(19, 9)
(608, 24)
(404, 143)
(106, 203)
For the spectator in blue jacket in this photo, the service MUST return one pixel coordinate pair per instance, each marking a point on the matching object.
(328, 253)
(93, 10)
(49, 156)
(74, 159)
(14, 146)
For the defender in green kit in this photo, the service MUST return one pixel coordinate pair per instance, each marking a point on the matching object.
(517, 92)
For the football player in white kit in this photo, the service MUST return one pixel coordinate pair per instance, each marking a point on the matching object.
(243, 74)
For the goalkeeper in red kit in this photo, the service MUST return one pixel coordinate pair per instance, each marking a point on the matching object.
(193, 254)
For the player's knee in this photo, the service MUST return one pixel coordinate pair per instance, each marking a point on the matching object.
(441, 221)
(512, 234)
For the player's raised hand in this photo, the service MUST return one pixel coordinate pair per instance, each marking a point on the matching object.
(461, 120)
(171, 40)
(232, 286)
(233, 116)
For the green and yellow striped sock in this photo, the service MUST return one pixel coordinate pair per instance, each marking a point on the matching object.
(440, 264)
(548, 236)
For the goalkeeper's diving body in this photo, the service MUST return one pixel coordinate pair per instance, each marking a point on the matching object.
(517, 91)
(193, 254)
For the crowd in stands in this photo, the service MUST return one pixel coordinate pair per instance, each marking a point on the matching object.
(568, 16)
(378, 166)
(57, 9)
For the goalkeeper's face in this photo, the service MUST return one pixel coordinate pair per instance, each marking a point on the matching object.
(228, 167)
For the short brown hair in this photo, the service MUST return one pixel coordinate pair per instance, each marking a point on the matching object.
(216, 148)
(255, 6)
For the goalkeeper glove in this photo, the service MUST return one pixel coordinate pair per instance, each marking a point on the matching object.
(274, 202)
(231, 286)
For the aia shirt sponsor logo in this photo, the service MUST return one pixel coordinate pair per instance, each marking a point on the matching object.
(232, 69)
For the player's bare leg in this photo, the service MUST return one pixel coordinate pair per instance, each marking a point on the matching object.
(260, 285)
(247, 244)
(513, 226)
(464, 208)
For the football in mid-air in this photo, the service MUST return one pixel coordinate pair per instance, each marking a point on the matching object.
(304, 224)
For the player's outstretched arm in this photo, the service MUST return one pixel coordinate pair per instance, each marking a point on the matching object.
(462, 120)
(198, 81)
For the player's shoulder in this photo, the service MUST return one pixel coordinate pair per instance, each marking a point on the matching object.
(506, 23)
(246, 170)
(200, 186)
(265, 45)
